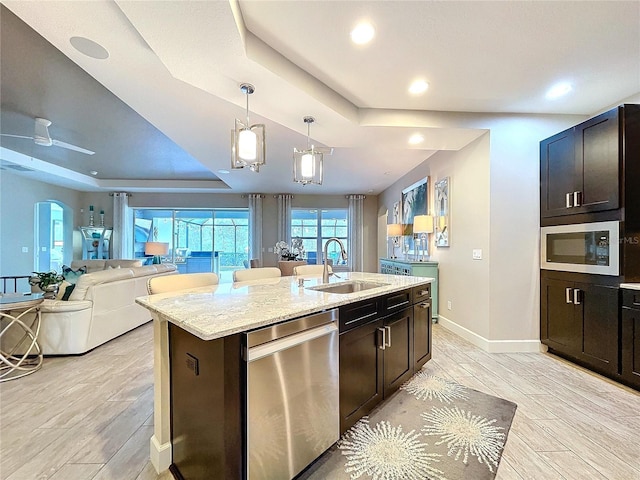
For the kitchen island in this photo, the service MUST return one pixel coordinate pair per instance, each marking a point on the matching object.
(213, 322)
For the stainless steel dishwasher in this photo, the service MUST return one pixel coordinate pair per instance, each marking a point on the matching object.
(292, 395)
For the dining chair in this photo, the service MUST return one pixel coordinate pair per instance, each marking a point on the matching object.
(255, 273)
(255, 263)
(180, 281)
(310, 269)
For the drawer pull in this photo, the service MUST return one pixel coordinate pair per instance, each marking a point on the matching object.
(569, 200)
(576, 296)
(388, 329)
(396, 305)
(567, 295)
(423, 292)
(577, 198)
(383, 345)
(424, 305)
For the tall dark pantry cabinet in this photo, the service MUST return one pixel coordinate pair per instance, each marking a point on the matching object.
(590, 243)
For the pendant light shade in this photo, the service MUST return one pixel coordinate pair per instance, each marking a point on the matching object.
(307, 164)
(248, 141)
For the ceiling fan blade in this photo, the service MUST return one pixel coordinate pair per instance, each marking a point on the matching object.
(14, 136)
(75, 148)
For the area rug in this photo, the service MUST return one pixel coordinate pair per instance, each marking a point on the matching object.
(432, 429)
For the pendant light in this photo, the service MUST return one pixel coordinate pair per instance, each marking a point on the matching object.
(307, 164)
(247, 141)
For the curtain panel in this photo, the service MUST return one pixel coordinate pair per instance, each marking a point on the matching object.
(122, 242)
(255, 227)
(356, 232)
(284, 217)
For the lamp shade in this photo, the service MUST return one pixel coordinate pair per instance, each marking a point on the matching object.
(394, 230)
(423, 224)
(156, 248)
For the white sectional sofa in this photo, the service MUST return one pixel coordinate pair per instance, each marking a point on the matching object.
(101, 307)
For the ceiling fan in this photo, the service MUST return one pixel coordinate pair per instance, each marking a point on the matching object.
(41, 137)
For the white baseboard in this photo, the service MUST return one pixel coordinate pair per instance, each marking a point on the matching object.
(160, 455)
(491, 346)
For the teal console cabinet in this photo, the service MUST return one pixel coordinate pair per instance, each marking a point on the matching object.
(416, 269)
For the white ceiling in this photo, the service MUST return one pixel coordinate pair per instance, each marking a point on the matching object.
(178, 66)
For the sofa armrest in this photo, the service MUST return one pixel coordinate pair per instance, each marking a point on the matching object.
(54, 306)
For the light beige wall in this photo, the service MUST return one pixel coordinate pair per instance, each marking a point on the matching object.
(494, 206)
(18, 195)
(462, 281)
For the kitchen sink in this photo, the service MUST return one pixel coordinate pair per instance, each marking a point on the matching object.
(351, 286)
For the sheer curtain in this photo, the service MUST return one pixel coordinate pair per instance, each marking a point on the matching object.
(356, 232)
(284, 217)
(122, 242)
(255, 226)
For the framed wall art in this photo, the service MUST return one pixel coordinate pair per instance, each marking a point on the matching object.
(414, 202)
(442, 194)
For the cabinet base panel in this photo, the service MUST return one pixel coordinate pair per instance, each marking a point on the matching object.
(599, 371)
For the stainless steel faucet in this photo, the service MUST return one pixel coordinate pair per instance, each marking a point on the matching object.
(343, 253)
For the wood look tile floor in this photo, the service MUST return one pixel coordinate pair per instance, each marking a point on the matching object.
(90, 417)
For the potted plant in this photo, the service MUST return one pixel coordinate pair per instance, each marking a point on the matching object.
(48, 282)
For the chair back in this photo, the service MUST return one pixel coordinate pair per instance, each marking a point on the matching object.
(255, 263)
(255, 273)
(180, 281)
(310, 269)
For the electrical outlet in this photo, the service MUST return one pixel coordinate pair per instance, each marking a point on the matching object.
(25, 249)
(477, 254)
(448, 304)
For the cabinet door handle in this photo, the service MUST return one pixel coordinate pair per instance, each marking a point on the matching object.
(567, 294)
(576, 296)
(388, 335)
(577, 199)
(569, 200)
(383, 344)
(424, 305)
(423, 292)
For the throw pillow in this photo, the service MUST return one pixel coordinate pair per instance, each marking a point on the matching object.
(71, 275)
(61, 289)
(67, 291)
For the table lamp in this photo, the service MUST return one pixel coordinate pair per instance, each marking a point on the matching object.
(423, 225)
(394, 230)
(157, 249)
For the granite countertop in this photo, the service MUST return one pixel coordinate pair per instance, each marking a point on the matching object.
(228, 308)
(630, 286)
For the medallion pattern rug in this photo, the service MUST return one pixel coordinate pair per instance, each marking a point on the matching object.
(432, 429)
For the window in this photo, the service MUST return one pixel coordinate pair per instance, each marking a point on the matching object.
(199, 240)
(53, 231)
(315, 227)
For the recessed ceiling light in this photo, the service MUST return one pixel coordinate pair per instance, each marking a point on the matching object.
(93, 172)
(558, 90)
(223, 171)
(418, 87)
(362, 33)
(89, 48)
(416, 138)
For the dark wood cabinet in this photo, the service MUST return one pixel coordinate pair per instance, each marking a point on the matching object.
(381, 348)
(398, 350)
(421, 333)
(580, 320)
(630, 338)
(361, 372)
(580, 168)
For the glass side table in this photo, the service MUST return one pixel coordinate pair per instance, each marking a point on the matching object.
(20, 353)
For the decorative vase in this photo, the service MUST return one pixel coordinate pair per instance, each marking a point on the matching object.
(102, 219)
(51, 291)
(91, 219)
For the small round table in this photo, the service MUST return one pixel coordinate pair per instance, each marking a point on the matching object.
(20, 353)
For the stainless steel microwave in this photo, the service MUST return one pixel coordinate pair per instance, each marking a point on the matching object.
(583, 248)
